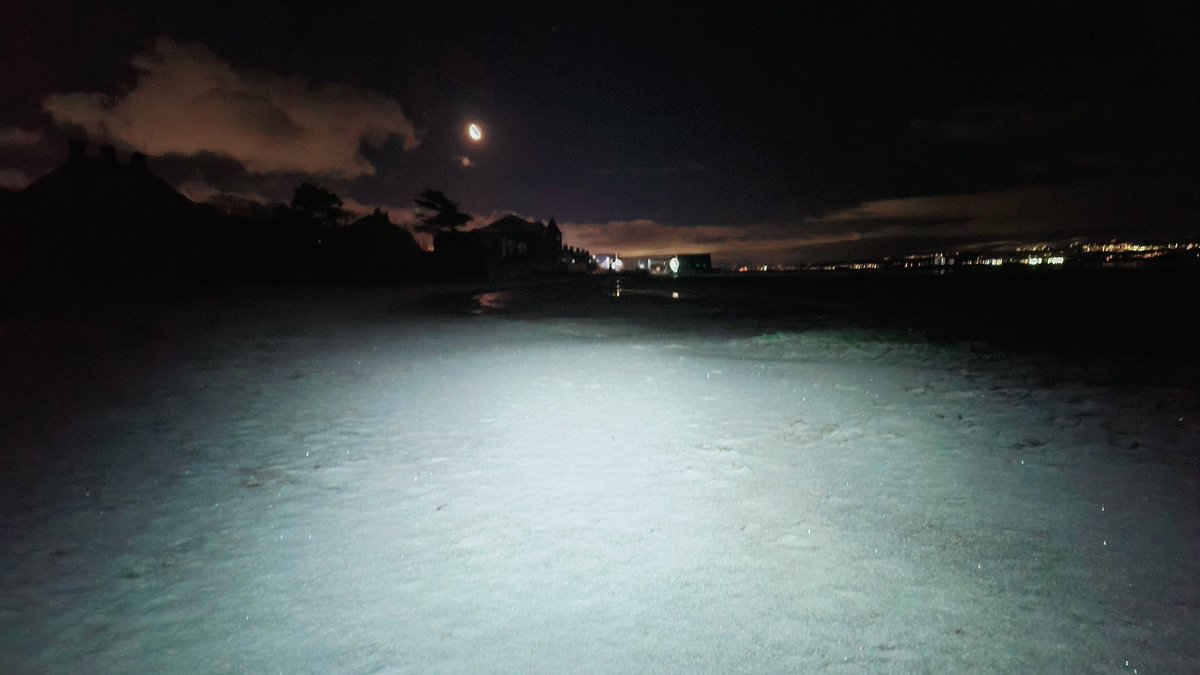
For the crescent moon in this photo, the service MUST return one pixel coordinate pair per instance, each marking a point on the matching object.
(474, 132)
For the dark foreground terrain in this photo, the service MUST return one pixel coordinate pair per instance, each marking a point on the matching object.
(797, 474)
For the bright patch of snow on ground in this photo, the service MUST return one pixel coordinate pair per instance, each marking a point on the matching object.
(336, 485)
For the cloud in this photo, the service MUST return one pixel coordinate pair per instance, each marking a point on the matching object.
(401, 215)
(17, 137)
(886, 227)
(404, 216)
(199, 192)
(1025, 213)
(780, 243)
(189, 101)
(239, 201)
(760, 242)
(1015, 211)
(13, 179)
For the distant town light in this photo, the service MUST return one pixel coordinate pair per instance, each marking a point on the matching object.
(674, 265)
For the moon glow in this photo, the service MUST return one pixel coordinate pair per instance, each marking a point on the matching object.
(475, 132)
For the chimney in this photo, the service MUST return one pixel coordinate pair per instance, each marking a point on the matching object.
(137, 160)
(78, 149)
(108, 153)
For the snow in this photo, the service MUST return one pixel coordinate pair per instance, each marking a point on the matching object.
(372, 481)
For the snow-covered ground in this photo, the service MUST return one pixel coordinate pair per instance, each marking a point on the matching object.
(343, 483)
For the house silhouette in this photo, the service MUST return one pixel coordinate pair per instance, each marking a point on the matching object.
(95, 219)
(509, 247)
(374, 249)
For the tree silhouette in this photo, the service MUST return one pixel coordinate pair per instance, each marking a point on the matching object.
(319, 205)
(441, 212)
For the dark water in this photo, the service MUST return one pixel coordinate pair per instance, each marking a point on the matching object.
(1142, 321)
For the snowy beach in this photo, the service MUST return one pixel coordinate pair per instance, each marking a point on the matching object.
(551, 478)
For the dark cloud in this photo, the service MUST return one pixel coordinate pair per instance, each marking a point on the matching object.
(18, 137)
(20, 149)
(12, 178)
(768, 242)
(189, 101)
(910, 225)
(1046, 211)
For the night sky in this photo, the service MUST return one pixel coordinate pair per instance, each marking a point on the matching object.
(761, 133)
